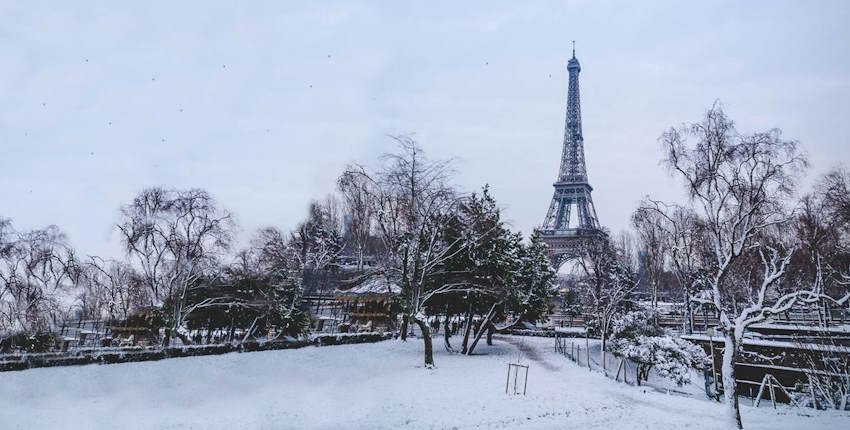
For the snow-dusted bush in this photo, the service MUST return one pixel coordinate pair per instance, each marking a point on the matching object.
(631, 325)
(637, 336)
(27, 342)
(671, 357)
(628, 327)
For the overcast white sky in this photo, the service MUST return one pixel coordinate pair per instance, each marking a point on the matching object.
(264, 104)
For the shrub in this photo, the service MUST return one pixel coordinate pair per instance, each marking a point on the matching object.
(671, 357)
(28, 342)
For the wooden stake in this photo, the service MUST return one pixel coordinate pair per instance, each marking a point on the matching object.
(525, 385)
(772, 391)
(508, 381)
(812, 392)
(619, 368)
(761, 390)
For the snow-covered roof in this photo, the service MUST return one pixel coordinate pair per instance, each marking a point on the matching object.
(373, 286)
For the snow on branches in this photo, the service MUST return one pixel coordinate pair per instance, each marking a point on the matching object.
(637, 337)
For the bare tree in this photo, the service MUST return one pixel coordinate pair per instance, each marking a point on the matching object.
(356, 189)
(835, 189)
(624, 243)
(413, 202)
(174, 237)
(317, 241)
(111, 289)
(653, 245)
(39, 272)
(270, 251)
(682, 238)
(8, 269)
(835, 186)
(739, 185)
(607, 280)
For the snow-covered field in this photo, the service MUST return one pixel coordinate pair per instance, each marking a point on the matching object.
(365, 386)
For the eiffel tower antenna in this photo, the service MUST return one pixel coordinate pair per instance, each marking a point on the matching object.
(563, 234)
(574, 49)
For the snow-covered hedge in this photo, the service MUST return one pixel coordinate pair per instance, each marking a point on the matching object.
(347, 338)
(137, 353)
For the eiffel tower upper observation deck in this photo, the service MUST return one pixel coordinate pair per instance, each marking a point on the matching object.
(571, 219)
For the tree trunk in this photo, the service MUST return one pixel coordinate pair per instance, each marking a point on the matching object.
(603, 327)
(166, 338)
(654, 295)
(169, 332)
(447, 334)
(604, 369)
(250, 330)
(467, 330)
(426, 337)
(484, 324)
(729, 384)
(405, 320)
(491, 328)
(477, 328)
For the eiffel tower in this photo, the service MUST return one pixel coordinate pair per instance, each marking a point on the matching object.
(564, 235)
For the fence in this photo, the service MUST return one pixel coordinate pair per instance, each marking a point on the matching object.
(573, 351)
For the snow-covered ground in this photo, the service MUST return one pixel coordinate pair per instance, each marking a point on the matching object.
(364, 386)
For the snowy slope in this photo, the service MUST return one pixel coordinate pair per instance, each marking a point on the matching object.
(364, 386)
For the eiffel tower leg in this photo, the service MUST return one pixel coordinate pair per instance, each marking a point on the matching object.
(557, 260)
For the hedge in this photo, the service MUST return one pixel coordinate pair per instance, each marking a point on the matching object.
(82, 356)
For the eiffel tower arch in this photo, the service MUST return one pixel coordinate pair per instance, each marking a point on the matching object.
(571, 219)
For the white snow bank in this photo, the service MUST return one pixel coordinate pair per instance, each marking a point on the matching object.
(365, 386)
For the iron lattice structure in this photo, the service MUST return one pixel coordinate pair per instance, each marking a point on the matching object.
(571, 219)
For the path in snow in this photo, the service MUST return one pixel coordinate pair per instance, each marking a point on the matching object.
(366, 386)
(530, 352)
